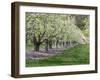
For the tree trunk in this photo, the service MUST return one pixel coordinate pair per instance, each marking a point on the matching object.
(70, 43)
(57, 42)
(37, 46)
(60, 44)
(50, 44)
(63, 44)
(46, 44)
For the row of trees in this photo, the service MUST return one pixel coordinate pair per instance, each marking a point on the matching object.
(58, 29)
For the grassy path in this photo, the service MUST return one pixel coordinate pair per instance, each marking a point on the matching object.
(41, 54)
(72, 56)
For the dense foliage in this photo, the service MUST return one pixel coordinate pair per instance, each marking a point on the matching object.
(54, 30)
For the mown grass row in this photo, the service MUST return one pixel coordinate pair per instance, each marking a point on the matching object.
(72, 56)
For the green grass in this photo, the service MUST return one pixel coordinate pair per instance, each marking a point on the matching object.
(72, 56)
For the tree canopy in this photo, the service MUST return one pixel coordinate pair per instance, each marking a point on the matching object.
(48, 27)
